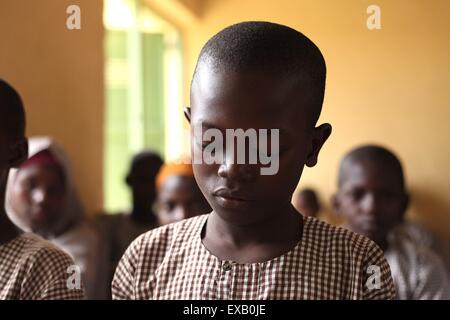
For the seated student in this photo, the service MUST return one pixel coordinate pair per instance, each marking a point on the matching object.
(123, 227)
(30, 267)
(372, 198)
(178, 194)
(254, 244)
(307, 203)
(418, 234)
(41, 198)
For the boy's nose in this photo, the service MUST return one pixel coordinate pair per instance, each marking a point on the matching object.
(39, 196)
(370, 204)
(237, 172)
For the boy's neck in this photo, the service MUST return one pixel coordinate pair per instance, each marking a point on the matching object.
(255, 243)
(143, 213)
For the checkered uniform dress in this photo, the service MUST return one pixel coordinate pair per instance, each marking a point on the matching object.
(171, 262)
(32, 268)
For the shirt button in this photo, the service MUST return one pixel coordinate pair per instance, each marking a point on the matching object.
(227, 266)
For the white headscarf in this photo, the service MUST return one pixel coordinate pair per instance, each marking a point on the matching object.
(73, 210)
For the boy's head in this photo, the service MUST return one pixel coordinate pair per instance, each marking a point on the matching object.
(307, 203)
(13, 144)
(178, 194)
(257, 75)
(371, 193)
(141, 177)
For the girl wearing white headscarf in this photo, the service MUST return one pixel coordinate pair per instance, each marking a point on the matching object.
(41, 197)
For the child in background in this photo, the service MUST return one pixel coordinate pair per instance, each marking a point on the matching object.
(30, 267)
(120, 229)
(307, 203)
(41, 197)
(178, 194)
(372, 198)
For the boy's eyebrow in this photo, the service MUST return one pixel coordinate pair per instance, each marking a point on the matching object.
(209, 125)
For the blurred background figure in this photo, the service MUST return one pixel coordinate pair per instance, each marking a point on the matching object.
(41, 198)
(307, 203)
(120, 229)
(141, 181)
(179, 196)
(372, 198)
(417, 233)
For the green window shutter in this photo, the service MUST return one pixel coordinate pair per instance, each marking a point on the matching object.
(116, 120)
(153, 91)
(134, 106)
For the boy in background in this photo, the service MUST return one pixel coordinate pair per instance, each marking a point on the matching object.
(373, 200)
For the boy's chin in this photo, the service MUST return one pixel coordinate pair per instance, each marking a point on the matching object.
(241, 217)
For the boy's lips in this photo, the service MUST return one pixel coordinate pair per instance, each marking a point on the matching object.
(231, 199)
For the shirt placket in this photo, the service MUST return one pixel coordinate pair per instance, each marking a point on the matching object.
(225, 281)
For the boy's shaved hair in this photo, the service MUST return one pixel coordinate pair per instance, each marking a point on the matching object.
(12, 121)
(272, 48)
(375, 154)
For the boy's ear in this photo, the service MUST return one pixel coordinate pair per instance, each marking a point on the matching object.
(18, 152)
(319, 136)
(407, 200)
(187, 113)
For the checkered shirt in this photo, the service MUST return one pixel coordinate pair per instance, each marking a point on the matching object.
(329, 262)
(31, 268)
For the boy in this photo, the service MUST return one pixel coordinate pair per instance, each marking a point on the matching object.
(372, 198)
(120, 229)
(141, 180)
(254, 244)
(30, 267)
(178, 194)
(124, 227)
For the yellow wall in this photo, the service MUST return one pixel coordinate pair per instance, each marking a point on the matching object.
(59, 74)
(388, 86)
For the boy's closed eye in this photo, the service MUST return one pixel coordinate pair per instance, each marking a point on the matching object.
(265, 150)
(383, 196)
